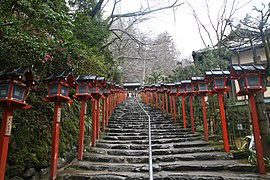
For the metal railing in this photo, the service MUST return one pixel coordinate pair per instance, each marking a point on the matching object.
(149, 140)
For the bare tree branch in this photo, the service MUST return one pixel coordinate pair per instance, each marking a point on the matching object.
(147, 11)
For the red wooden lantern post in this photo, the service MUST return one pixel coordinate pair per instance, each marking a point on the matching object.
(108, 93)
(97, 93)
(94, 94)
(202, 89)
(13, 89)
(249, 80)
(156, 95)
(162, 92)
(166, 92)
(83, 93)
(181, 92)
(104, 105)
(218, 84)
(189, 89)
(57, 86)
(173, 92)
(191, 92)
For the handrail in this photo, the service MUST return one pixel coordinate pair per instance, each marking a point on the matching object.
(150, 142)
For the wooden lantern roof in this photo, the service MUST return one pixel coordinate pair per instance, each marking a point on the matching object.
(198, 79)
(237, 69)
(217, 73)
(61, 75)
(86, 78)
(23, 73)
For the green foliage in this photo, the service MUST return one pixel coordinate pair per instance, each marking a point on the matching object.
(156, 77)
(49, 36)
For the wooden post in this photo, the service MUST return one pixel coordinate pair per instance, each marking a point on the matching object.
(55, 140)
(171, 105)
(205, 124)
(256, 133)
(93, 103)
(81, 133)
(6, 126)
(97, 117)
(184, 112)
(107, 110)
(223, 122)
(103, 113)
(191, 114)
(167, 107)
(174, 110)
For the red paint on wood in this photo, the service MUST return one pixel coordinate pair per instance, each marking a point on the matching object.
(256, 133)
(4, 140)
(205, 125)
(81, 132)
(223, 122)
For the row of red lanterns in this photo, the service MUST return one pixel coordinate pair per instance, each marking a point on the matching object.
(213, 82)
(14, 83)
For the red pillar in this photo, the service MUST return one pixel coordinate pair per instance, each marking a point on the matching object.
(167, 108)
(55, 139)
(205, 125)
(107, 110)
(97, 118)
(4, 139)
(191, 114)
(81, 133)
(103, 113)
(256, 133)
(93, 103)
(157, 98)
(162, 104)
(171, 105)
(174, 110)
(223, 122)
(184, 112)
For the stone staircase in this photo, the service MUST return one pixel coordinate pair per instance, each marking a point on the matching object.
(122, 153)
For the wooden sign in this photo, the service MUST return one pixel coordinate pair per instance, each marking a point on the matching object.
(58, 114)
(9, 126)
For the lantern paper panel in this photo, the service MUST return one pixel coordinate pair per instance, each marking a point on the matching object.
(219, 83)
(4, 88)
(18, 92)
(64, 90)
(189, 88)
(253, 80)
(53, 89)
(203, 87)
(182, 89)
(82, 89)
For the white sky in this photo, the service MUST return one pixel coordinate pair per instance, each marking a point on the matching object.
(181, 24)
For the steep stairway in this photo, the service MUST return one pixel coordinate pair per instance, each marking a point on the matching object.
(122, 153)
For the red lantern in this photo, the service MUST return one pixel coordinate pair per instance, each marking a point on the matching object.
(58, 86)
(200, 83)
(249, 80)
(218, 80)
(248, 77)
(13, 89)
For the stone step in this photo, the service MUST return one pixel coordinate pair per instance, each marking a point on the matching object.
(176, 152)
(143, 151)
(154, 134)
(154, 146)
(142, 157)
(73, 174)
(207, 165)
